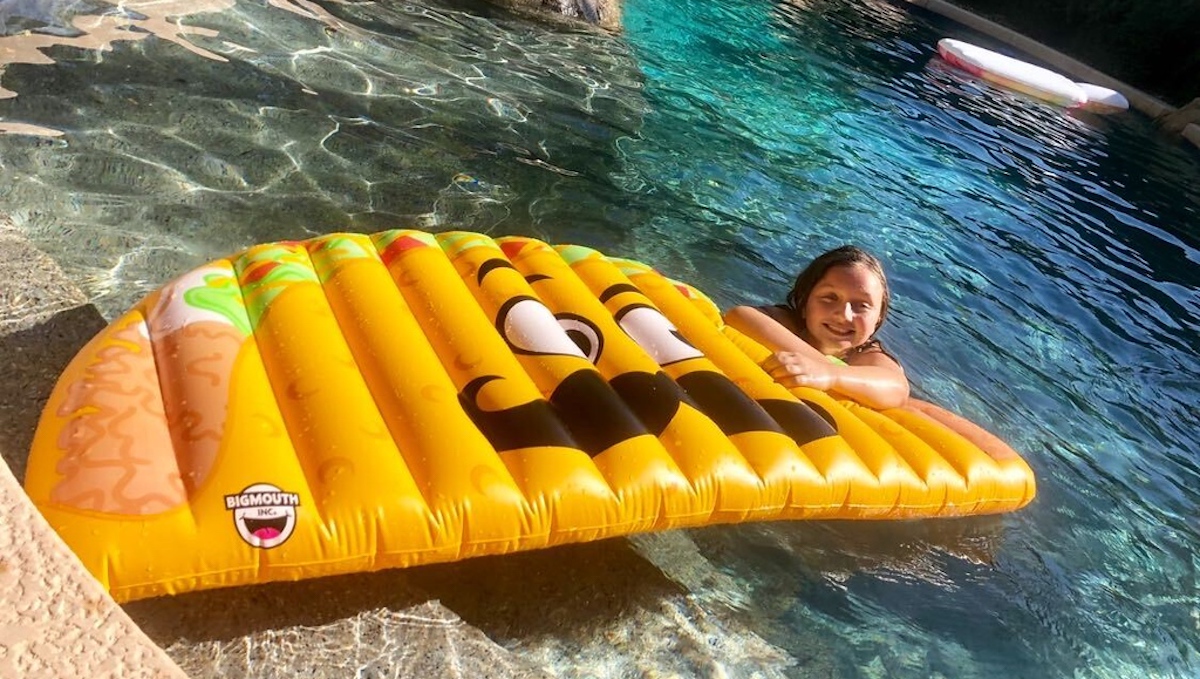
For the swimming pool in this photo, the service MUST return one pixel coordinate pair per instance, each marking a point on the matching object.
(1044, 267)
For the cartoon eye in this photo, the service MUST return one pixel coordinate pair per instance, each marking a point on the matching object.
(584, 334)
(655, 334)
(530, 328)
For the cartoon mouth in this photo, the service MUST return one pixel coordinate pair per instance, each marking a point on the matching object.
(592, 415)
(265, 529)
(584, 412)
(734, 412)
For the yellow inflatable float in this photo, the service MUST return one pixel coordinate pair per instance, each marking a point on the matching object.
(354, 402)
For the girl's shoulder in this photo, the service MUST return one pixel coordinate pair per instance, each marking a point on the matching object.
(783, 315)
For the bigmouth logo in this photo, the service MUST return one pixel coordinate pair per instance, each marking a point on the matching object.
(264, 515)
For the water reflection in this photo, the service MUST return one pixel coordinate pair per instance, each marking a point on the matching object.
(30, 29)
(367, 117)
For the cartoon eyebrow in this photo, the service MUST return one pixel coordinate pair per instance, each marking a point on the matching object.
(614, 290)
(490, 266)
(625, 310)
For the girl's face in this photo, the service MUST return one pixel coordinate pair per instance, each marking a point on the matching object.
(843, 309)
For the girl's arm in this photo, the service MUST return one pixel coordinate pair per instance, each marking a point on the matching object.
(871, 378)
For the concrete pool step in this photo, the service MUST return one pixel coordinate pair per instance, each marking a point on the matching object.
(56, 620)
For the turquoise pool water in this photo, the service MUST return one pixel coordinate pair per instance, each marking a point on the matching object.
(1044, 266)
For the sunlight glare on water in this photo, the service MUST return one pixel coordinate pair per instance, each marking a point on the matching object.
(1043, 266)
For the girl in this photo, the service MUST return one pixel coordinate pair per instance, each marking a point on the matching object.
(836, 305)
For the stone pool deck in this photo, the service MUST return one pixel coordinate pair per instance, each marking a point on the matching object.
(56, 621)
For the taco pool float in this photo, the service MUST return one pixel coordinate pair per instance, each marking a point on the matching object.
(353, 402)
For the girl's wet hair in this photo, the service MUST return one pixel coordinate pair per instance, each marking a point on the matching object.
(847, 255)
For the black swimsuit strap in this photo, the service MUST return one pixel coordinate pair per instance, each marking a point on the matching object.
(874, 345)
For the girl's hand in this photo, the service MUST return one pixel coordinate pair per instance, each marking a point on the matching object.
(793, 369)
